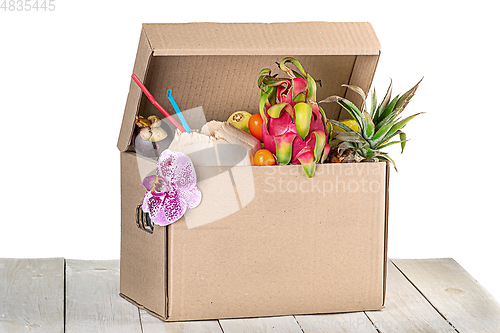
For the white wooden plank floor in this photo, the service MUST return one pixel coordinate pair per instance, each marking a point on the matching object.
(57, 295)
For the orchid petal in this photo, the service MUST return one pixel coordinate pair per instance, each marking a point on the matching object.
(148, 182)
(178, 168)
(191, 196)
(152, 204)
(172, 209)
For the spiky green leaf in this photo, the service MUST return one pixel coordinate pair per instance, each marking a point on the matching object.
(387, 115)
(399, 125)
(345, 146)
(379, 136)
(402, 137)
(368, 125)
(351, 137)
(391, 143)
(331, 99)
(340, 124)
(386, 157)
(353, 110)
(374, 105)
(383, 104)
(358, 91)
(407, 96)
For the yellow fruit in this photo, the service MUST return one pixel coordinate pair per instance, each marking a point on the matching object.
(351, 123)
(240, 119)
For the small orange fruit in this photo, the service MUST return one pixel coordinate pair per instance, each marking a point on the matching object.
(255, 126)
(263, 157)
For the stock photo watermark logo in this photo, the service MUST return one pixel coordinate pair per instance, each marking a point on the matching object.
(346, 178)
(228, 185)
(28, 5)
(225, 186)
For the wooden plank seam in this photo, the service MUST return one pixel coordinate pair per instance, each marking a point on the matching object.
(425, 297)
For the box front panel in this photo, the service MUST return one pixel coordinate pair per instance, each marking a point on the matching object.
(293, 245)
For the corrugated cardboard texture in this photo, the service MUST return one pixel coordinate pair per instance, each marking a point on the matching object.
(282, 243)
(141, 64)
(299, 246)
(216, 66)
(307, 38)
(143, 263)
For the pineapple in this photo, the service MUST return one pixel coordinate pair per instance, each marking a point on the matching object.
(376, 128)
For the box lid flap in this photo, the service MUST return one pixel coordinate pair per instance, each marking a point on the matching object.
(306, 38)
(345, 39)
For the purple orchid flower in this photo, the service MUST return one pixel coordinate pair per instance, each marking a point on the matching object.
(172, 190)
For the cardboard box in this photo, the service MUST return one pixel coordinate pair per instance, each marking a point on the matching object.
(265, 241)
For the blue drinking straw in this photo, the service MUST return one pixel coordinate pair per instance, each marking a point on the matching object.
(177, 110)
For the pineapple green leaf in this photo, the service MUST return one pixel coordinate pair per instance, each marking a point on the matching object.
(386, 157)
(402, 137)
(368, 125)
(389, 113)
(352, 109)
(368, 152)
(407, 96)
(391, 143)
(345, 146)
(383, 104)
(348, 106)
(374, 105)
(399, 125)
(341, 125)
(379, 136)
(351, 137)
(359, 91)
(331, 99)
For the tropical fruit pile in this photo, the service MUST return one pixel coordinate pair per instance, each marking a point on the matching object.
(295, 130)
(292, 128)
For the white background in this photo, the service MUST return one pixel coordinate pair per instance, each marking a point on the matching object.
(65, 76)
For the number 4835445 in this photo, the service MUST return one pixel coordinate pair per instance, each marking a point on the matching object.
(27, 5)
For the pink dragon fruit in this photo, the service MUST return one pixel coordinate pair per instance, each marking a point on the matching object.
(294, 126)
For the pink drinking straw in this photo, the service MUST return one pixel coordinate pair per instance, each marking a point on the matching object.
(155, 103)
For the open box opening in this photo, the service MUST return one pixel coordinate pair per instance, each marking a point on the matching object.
(265, 240)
